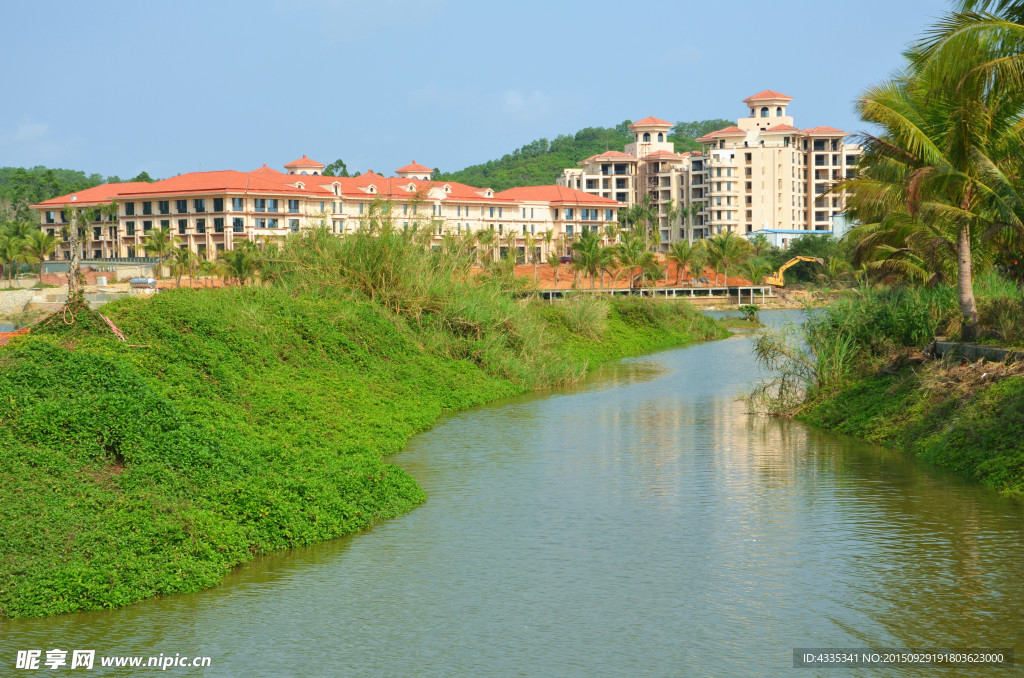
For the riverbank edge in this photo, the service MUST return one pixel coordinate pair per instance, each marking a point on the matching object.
(957, 417)
(82, 587)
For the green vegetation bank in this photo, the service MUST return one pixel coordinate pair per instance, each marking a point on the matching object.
(239, 421)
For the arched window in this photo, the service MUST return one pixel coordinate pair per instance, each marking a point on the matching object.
(753, 113)
(764, 111)
(302, 172)
(661, 137)
(778, 111)
(647, 136)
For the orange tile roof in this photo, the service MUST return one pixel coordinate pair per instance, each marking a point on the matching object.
(304, 162)
(669, 155)
(414, 167)
(825, 131)
(782, 128)
(268, 170)
(556, 195)
(651, 121)
(228, 181)
(610, 155)
(730, 131)
(767, 94)
(93, 196)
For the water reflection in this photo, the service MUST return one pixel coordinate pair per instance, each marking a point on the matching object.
(642, 524)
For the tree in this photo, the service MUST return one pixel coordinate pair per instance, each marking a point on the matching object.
(242, 262)
(75, 278)
(160, 244)
(555, 262)
(634, 256)
(755, 269)
(942, 173)
(143, 176)
(336, 169)
(727, 249)
(12, 250)
(109, 210)
(486, 237)
(183, 260)
(587, 254)
(37, 247)
(685, 254)
(691, 215)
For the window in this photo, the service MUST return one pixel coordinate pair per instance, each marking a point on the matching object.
(293, 206)
(218, 204)
(238, 204)
(129, 227)
(568, 213)
(778, 111)
(182, 225)
(608, 215)
(165, 224)
(294, 225)
(647, 136)
(181, 206)
(261, 223)
(764, 111)
(492, 211)
(261, 204)
(272, 205)
(147, 226)
(360, 208)
(238, 224)
(129, 209)
(458, 210)
(147, 208)
(272, 223)
(164, 206)
(218, 224)
(405, 209)
(499, 212)
(661, 136)
(199, 204)
(51, 217)
(200, 225)
(568, 227)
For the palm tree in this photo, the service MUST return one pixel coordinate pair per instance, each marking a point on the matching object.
(511, 240)
(691, 216)
(160, 244)
(555, 262)
(685, 254)
(242, 262)
(755, 269)
(486, 237)
(672, 213)
(941, 174)
(109, 210)
(727, 249)
(634, 256)
(587, 254)
(38, 247)
(547, 236)
(836, 270)
(611, 232)
(529, 245)
(183, 259)
(760, 245)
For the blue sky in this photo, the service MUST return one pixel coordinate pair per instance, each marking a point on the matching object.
(118, 87)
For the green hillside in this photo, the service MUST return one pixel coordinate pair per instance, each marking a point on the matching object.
(541, 161)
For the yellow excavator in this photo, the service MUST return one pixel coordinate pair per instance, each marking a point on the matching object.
(778, 279)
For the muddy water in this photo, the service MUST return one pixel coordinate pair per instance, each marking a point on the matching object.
(640, 525)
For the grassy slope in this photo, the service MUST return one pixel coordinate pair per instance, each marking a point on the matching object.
(253, 421)
(978, 435)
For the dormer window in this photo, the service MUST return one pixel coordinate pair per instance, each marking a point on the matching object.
(447, 188)
(337, 189)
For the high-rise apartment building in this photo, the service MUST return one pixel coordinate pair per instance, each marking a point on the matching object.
(762, 173)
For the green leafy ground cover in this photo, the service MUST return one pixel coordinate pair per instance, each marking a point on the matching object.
(254, 419)
(976, 433)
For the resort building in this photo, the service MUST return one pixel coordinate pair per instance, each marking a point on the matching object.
(212, 211)
(762, 173)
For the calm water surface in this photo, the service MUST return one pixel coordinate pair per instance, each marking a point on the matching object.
(640, 525)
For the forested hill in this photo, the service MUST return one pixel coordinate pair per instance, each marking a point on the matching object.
(20, 187)
(541, 161)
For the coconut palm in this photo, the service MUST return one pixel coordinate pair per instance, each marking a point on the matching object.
(529, 245)
(160, 244)
(755, 269)
(587, 254)
(684, 254)
(634, 256)
(109, 210)
(941, 174)
(485, 237)
(727, 249)
(181, 261)
(555, 262)
(37, 247)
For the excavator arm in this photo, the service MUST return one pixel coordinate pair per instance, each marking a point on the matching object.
(778, 279)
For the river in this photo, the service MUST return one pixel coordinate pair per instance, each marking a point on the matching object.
(642, 524)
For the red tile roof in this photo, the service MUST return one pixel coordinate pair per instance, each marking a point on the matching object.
(668, 155)
(556, 195)
(825, 131)
(767, 94)
(782, 128)
(93, 196)
(651, 121)
(730, 131)
(229, 181)
(610, 155)
(304, 162)
(414, 167)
